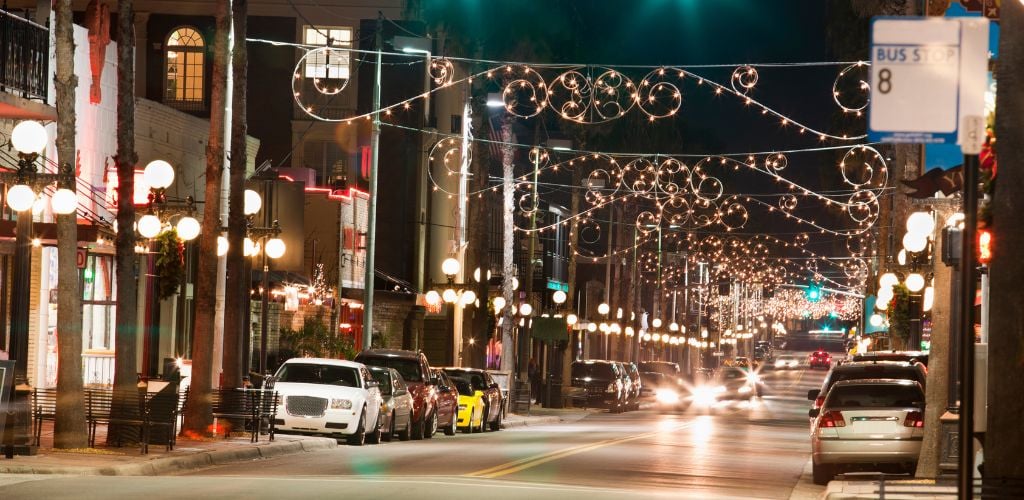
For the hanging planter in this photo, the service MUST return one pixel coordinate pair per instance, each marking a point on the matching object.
(170, 263)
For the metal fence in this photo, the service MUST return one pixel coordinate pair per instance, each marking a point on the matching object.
(24, 56)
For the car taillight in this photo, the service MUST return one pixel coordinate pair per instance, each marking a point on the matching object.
(832, 419)
(914, 419)
(820, 400)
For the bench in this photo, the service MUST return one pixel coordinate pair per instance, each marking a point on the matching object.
(145, 411)
(44, 407)
(254, 407)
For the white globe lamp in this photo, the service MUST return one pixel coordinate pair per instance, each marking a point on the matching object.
(433, 298)
(888, 280)
(149, 226)
(592, 327)
(250, 248)
(656, 323)
(158, 174)
(929, 299)
(468, 297)
(559, 297)
(525, 309)
(450, 296)
(921, 223)
(20, 197)
(571, 319)
(222, 246)
(914, 242)
(499, 304)
(188, 228)
(915, 282)
(252, 202)
(450, 266)
(603, 309)
(64, 201)
(275, 248)
(29, 137)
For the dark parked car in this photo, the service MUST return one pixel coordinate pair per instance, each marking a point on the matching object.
(637, 385)
(859, 370)
(599, 385)
(415, 370)
(480, 380)
(909, 356)
(396, 412)
(447, 402)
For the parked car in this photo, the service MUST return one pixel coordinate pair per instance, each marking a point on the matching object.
(396, 409)
(859, 370)
(447, 402)
(665, 367)
(598, 384)
(471, 407)
(908, 356)
(786, 362)
(635, 385)
(480, 380)
(329, 396)
(864, 423)
(415, 370)
(502, 379)
(819, 359)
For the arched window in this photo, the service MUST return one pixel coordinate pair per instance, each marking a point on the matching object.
(185, 53)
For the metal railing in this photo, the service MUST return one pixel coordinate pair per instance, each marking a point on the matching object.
(24, 56)
(902, 486)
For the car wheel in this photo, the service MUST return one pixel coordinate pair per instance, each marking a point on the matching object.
(406, 434)
(431, 426)
(389, 435)
(359, 437)
(419, 428)
(496, 425)
(822, 473)
(450, 429)
(483, 420)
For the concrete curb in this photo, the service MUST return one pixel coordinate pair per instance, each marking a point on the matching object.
(506, 424)
(805, 488)
(170, 465)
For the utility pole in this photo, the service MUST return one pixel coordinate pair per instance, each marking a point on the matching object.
(371, 219)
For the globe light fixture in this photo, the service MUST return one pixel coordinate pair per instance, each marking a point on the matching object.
(450, 296)
(525, 309)
(222, 246)
(876, 320)
(656, 323)
(921, 223)
(499, 304)
(647, 337)
(888, 280)
(914, 242)
(571, 319)
(158, 174)
(656, 337)
(450, 266)
(149, 226)
(559, 297)
(433, 298)
(20, 197)
(476, 275)
(673, 326)
(515, 283)
(38, 206)
(250, 248)
(618, 313)
(915, 282)
(629, 331)
(704, 333)
(64, 201)
(885, 295)
(468, 297)
(275, 248)
(592, 327)
(901, 257)
(603, 309)
(929, 299)
(252, 202)
(29, 137)
(188, 228)
(882, 305)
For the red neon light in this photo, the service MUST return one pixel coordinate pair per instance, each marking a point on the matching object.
(285, 177)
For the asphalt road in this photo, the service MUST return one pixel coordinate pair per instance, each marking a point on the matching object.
(754, 449)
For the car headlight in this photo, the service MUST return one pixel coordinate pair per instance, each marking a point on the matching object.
(752, 378)
(341, 404)
(666, 396)
(705, 395)
(780, 364)
(744, 389)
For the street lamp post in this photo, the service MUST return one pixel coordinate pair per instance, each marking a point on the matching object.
(261, 241)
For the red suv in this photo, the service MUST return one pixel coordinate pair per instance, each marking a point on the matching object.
(413, 367)
(820, 359)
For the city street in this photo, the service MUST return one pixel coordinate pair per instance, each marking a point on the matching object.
(739, 450)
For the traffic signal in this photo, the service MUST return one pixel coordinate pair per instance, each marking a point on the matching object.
(984, 246)
(813, 292)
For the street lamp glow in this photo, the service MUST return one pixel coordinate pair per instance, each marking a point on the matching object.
(450, 296)
(29, 137)
(915, 282)
(250, 248)
(515, 283)
(629, 331)
(571, 319)
(476, 275)
(188, 228)
(275, 248)
(929, 299)
(673, 326)
(888, 280)
(603, 309)
(704, 333)
(149, 226)
(499, 304)
(921, 223)
(525, 309)
(468, 297)
(64, 201)
(158, 174)
(656, 323)
(252, 202)
(433, 298)
(450, 266)
(559, 297)
(914, 242)
(885, 295)
(656, 337)
(222, 246)
(20, 197)
(876, 320)
(592, 327)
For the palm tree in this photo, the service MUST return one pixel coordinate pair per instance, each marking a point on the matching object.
(198, 413)
(69, 426)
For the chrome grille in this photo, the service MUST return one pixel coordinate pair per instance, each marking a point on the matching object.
(305, 406)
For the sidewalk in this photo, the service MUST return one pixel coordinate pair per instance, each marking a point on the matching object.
(542, 416)
(852, 487)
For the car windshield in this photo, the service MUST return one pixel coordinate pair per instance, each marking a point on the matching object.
(475, 379)
(409, 369)
(593, 371)
(309, 373)
(656, 367)
(383, 378)
(875, 396)
(895, 372)
(733, 374)
(463, 386)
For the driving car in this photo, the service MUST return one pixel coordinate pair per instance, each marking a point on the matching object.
(480, 380)
(633, 386)
(598, 384)
(819, 359)
(859, 370)
(471, 407)
(396, 409)
(447, 402)
(415, 370)
(786, 362)
(329, 396)
(871, 423)
(655, 375)
(738, 383)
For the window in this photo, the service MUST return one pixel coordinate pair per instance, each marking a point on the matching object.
(185, 55)
(98, 306)
(328, 64)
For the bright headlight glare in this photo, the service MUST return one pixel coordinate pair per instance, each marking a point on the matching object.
(780, 363)
(341, 404)
(745, 389)
(666, 396)
(704, 396)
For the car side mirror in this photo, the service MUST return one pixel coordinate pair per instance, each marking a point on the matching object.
(813, 394)
(371, 384)
(813, 412)
(444, 389)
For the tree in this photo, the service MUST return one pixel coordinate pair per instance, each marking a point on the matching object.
(69, 430)
(508, 264)
(1004, 435)
(198, 413)
(237, 282)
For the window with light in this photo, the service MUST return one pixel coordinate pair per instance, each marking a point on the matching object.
(332, 64)
(185, 53)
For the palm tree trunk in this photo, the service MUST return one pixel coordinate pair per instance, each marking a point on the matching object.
(198, 417)
(237, 282)
(1004, 435)
(508, 264)
(126, 314)
(69, 426)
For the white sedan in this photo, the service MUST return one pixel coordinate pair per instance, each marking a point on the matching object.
(329, 396)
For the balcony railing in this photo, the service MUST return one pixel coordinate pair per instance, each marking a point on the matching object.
(24, 56)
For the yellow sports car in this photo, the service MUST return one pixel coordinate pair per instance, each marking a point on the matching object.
(471, 407)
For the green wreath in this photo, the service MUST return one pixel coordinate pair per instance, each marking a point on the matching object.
(170, 263)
